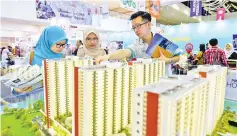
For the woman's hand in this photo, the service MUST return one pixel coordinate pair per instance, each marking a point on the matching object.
(23, 90)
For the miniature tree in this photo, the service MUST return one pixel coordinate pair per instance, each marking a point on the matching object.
(6, 132)
(70, 128)
(29, 108)
(27, 123)
(24, 117)
(19, 113)
(63, 119)
(38, 105)
(34, 128)
(13, 110)
(37, 133)
(69, 114)
(228, 108)
(6, 109)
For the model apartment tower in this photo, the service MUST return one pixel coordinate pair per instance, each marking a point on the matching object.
(103, 96)
(217, 77)
(59, 86)
(170, 108)
(99, 96)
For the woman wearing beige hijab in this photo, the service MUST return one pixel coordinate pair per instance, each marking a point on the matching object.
(91, 45)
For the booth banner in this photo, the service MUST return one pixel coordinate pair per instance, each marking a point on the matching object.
(231, 85)
(142, 5)
(105, 9)
(131, 5)
(154, 8)
(220, 14)
(235, 41)
(76, 12)
(195, 8)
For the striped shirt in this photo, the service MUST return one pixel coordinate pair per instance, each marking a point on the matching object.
(214, 56)
(138, 49)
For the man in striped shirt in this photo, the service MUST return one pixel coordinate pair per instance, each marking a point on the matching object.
(214, 55)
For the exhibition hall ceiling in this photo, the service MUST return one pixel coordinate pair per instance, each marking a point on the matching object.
(175, 12)
(210, 6)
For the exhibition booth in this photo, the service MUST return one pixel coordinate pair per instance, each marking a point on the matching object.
(76, 96)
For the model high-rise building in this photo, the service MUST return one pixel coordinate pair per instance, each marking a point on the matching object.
(181, 107)
(89, 101)
(125, 96)
(59, 86)
(148, 71)
(114, 107)
(108, 103)
(168, 109)
(99, 97)
(143, 72)
(117, 99)
(132, 75)
(217, 77)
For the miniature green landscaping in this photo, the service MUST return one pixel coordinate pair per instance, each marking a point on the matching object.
(18, 122)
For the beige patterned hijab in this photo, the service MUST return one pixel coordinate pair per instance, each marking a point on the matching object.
(92, 52)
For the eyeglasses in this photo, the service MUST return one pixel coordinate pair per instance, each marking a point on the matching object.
(138, 26)
(92, 39)
(60, 45)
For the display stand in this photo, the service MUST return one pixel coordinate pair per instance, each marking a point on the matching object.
(231, 85)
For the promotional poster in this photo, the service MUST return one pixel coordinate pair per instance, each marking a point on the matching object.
(76, 12)
(154, 8)
(235, 42)
(160, 43)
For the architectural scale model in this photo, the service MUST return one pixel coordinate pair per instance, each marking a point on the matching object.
(100, 96)
(59, 85)
(183, 106)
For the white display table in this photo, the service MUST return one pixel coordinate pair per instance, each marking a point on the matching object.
(19, 60)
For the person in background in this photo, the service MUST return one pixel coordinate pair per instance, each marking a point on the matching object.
(200, 54)
(79, 45)
(67, 51)
(4, 53)
(230, 52)
(9, 48)
(190, 55)
(49, 46)
(195, 60)
(2, 49)
(106, 50)
(91, 45)
(141, 25)
(214, 55)
(10, 59)
(1, 54)
(208, 46)
(17, 51)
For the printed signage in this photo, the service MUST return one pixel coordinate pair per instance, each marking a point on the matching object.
(129, 5)
(195, 8)
(220, 14)
(231, 86)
